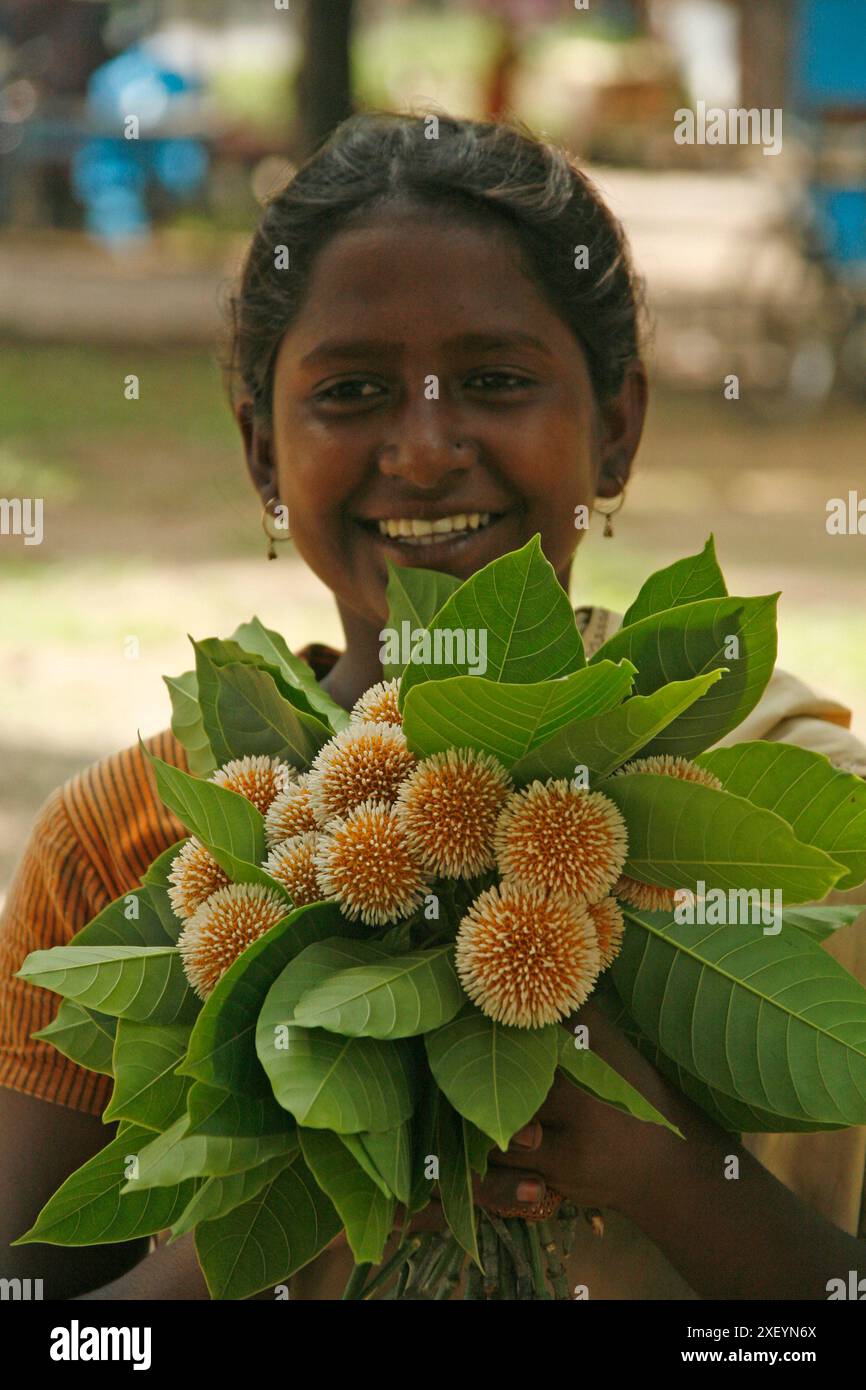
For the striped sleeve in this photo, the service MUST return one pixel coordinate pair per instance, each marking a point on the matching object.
(92, 840)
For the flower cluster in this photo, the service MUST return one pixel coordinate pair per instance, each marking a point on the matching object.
(373, 829)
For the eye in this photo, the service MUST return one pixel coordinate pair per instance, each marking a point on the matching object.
(351, 391)
(498, 381)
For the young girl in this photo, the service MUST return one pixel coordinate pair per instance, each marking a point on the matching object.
(423, 373)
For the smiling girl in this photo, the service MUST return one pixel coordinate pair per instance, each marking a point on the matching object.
(427, 369)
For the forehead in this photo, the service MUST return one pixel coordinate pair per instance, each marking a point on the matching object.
(422, 279)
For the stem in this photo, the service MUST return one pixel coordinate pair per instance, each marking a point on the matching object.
(489, 1258)
(440, 1266)
(397, 1260)
(474, 1283)
(356, 1280)
(451, 1274)
(537, 1261)
(517, 1231)
(555, 1270)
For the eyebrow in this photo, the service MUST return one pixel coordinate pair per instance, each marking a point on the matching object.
(357, 349)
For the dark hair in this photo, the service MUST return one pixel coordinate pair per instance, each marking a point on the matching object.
(478, 170)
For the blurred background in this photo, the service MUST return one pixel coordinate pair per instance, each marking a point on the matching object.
(116, 253)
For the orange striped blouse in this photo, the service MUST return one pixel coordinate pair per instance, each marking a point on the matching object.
(92, 840)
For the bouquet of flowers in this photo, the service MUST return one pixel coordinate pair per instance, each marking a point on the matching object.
(359, 973)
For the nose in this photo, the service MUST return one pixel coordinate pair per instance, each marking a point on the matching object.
(426, 447)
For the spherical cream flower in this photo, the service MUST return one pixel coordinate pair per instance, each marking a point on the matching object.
(556, 836)
(648, 897)
(364, 861)
(364, 762)
(449, 806)
(293, 863)
(378, 705)
(193, 876)
(668, 765)
(229, 921)
(527, 958)
(290, 813)
(258, 778)
(607, 919)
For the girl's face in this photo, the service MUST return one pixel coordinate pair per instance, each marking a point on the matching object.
(430, 408)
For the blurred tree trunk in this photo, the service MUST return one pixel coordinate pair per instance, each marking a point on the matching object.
(325, 79)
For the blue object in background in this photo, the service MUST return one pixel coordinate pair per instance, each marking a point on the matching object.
(829, 55)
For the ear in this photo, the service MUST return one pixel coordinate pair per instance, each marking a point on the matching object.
(621, 426)
(258, 451)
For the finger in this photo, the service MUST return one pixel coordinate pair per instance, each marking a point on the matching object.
(528, 1138)
(509, 1187)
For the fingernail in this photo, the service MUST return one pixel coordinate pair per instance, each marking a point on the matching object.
(529, 1191)
(525, 1138)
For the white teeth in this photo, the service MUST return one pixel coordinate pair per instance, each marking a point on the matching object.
(419, 531)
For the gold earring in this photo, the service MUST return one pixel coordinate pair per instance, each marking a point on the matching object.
(280, 519)
(608, 508)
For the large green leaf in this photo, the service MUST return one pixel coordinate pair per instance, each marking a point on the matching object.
(680, 833)
(607, 740)
(367, 1214)
(325, 1080)
(175, 1155)
(255, 637)
(146, 1089)
(227, 823)
(264, 1241)
(218, 1196)
(424, 1146)
(507, 720)
(772, 1021)
(146, 983)
(496, 1076)
(155, 883)
(598, 1078)
(222, 1049)
(688, 641)
(414, 597)
(518, 602)
(131, 920)
(390, 1151)
(821, 922)
(83, 1035)
(248, 709)
(214, 1111)
(455, 1179)
(187, 725)
(686, 581)
(90, 1208)
(390, 997)
(822, 805)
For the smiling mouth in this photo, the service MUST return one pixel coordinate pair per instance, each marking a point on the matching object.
(422, 531)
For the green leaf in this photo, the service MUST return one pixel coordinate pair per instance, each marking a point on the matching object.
(478, 1146)
(607, 740)
(686, 581)
(255, 637)
(146, 983)
(222, 1048)
(218, 1196)
(327, 1081)
(455, 1180)
(823, 805)
(146, 1089)
(414, 597)
(424, 1146)
(592, 1074)
(390, 1151)
(175, 1155)
(264, 1241)
(129, 921)
(496, 1076)
(390, 997)
(83, 1035)
(773, 1021)
(690, 641)
(187, 725)
(367, 1214)
(248, 709)
(681, 832)
(214, 1111)
(156, 886)
(90, 1209)
(227, 824)
(821, 922)
(363, 1159)
(529, 625)
(507, 720)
